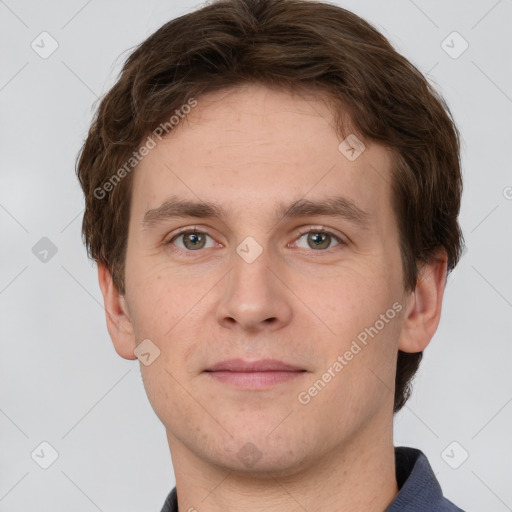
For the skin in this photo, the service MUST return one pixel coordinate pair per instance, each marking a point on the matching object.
(247, 149)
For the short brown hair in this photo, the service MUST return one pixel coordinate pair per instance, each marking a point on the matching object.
(288, 44)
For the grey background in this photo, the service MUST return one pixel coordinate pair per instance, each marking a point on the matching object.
(61, 380)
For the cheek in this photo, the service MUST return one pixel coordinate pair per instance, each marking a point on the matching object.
(159, 301)
(356, 299)
(365, 311)
(165, 392)
(167, 310)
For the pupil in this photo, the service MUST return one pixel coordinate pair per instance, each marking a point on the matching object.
(318, 238)
(193, 240)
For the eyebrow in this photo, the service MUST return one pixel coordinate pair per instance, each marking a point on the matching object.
(338, 207)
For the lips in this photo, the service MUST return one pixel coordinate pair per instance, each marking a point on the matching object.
(253, 375)
(263, 365)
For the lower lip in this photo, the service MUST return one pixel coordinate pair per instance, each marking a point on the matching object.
(255, 380)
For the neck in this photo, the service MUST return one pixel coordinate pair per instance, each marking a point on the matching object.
(357, 477)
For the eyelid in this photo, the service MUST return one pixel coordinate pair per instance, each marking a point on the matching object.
(186, 229)
(321, 229)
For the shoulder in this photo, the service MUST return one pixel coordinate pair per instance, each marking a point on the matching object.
(171, 502)
(418, 487)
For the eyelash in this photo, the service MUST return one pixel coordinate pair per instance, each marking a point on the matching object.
(311, 229)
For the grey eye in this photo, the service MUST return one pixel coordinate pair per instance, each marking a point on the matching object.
(192, 240)
(318, 240)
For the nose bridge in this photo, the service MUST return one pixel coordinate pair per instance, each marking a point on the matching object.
(254, 297)
(251, 280)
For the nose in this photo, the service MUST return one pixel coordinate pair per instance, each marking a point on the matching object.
(254, 296)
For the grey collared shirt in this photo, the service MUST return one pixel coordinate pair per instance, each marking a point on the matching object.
(418, 488)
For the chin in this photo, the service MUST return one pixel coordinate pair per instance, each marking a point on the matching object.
(260, 456)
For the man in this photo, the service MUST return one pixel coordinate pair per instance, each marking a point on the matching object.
(272, 195)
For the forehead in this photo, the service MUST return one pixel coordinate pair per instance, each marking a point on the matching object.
(252, 147)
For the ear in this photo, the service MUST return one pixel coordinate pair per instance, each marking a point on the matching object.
(423, 310)
(119, 324)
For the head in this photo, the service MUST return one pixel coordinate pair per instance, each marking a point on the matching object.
(254, 109)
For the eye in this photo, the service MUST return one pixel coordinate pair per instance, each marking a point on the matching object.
(192, 240)
(319, 239)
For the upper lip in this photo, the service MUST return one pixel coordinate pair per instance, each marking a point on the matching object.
(262, 365)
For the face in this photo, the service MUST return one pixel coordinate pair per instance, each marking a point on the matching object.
(295, 259)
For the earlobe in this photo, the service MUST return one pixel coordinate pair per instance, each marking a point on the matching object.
(423, 311)
(119, 323)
